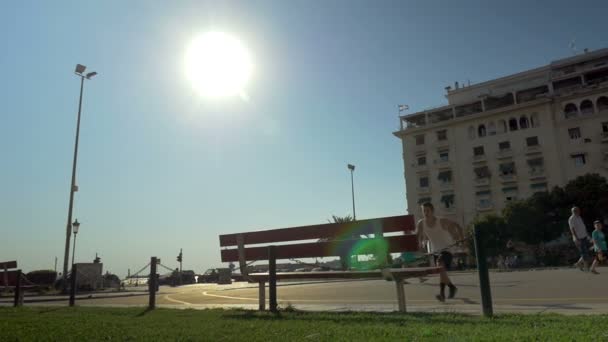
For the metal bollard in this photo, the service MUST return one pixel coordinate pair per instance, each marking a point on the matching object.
(482, 270)
(152, 284)
(18, 294)
(73, 286)
(272, 278)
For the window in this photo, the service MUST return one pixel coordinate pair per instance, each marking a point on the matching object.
(586, 107)
(420, 139)
(579, 159)
(478, 151)
(513, 124)
(502, 126)
(481, 131)
(536, 165)
(422, 161)
(442, 135)
(471, 132)
(523, 122)
(534, 120)
(510, 193)
(491, 128)
(532, 141)
(602, 104)
(444, 156)
(605, 127)
(448, 201)
(570, 111)
(481, 172)
(445, 177)
(424, 182)
(538, 187)
(504, 146)
(574, 133)
(507, 169)
(484, 199)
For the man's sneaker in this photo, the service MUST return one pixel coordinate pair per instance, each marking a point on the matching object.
(440, 298)
(580, 266)
(595, 272)
(453, 291)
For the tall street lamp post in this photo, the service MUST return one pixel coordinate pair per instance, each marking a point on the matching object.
(351, 167)
(73, 187)
(75, 225)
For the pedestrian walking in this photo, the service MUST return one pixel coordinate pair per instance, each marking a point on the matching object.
(580, 238)
(599, 245)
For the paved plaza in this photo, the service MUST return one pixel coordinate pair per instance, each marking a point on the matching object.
(567, 291)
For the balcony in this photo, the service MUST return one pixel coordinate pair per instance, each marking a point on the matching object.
(508, 178)
(484, 205)
(537, 172)
(533, 149)
(424, 189)
(505, 153)
(479, 158)
(442, 163)
(604, 137)
(482, 181)
(446, 185)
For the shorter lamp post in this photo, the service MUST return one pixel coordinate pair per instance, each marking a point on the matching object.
(75, 227)
(351, 167)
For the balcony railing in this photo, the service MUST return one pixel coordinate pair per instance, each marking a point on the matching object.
(424, 189)
(482, 181)
(504, 153)
(481, 206)
(537, 172)
(508, 178)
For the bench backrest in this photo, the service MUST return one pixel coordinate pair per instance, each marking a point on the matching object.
(8, 278)
(333, 239)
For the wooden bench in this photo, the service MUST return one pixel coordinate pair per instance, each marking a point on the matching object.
(326, 240)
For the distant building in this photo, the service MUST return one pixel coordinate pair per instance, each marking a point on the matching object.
(508, 138)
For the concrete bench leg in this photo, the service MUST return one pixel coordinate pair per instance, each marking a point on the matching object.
(262, 295)
(400, 295)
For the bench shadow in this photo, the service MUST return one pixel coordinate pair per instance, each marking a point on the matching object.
(47, 310)
(143, 313)
(351, 317)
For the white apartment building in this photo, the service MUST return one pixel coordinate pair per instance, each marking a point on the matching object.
(508, 138)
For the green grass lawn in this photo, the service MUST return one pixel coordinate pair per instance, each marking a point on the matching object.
(134, 324)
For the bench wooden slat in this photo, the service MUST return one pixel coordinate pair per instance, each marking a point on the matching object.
(396, 244)
(402, 223)
(399, 273)
(8, 264)
(11, 277)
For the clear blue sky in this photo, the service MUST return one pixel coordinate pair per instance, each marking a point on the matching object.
(161, 168)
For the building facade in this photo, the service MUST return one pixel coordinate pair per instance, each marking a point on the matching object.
(508, 138)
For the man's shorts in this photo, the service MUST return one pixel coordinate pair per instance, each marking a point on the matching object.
(446, 260)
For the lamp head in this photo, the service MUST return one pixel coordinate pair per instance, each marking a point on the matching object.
(75, 226)
(80, 68)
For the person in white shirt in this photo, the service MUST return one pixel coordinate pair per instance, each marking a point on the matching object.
(442, 236)
(580, 236)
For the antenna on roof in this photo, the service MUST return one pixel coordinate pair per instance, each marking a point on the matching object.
(572, 46)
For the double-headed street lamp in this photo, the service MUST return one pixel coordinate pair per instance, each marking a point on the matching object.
(75, 225)
(351, 167)
(73, 187)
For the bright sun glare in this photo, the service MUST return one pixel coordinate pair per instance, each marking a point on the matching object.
(218, 65)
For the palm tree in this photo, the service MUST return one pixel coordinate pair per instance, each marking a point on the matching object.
(338, 219)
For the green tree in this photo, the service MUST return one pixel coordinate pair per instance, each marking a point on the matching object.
(340, 219)
(495, 233)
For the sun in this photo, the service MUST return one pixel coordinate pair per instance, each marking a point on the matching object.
(218, 65)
